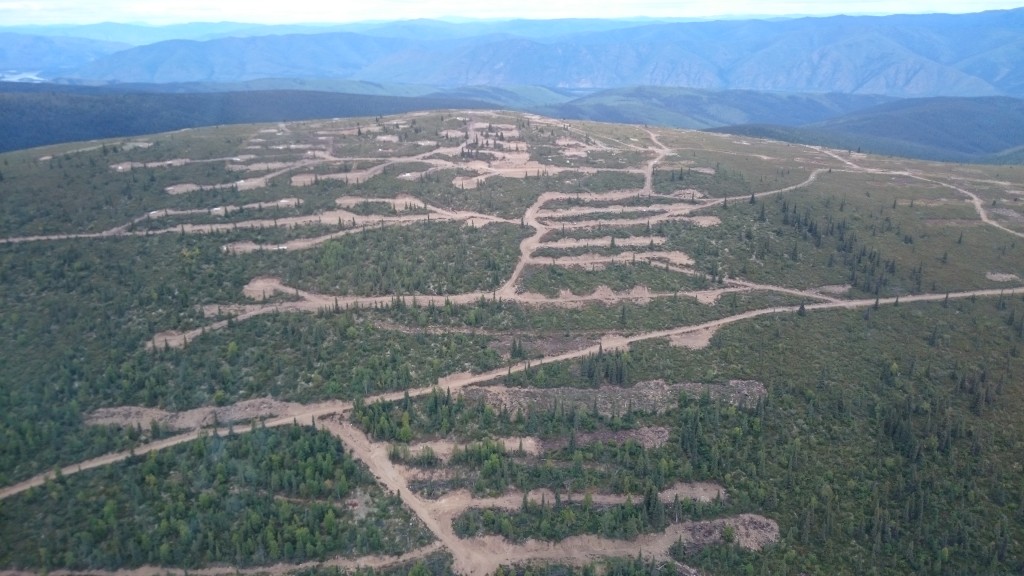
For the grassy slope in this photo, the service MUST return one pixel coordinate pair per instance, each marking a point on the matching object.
(951, 129)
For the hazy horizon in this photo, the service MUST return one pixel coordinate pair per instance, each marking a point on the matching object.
(71, 13)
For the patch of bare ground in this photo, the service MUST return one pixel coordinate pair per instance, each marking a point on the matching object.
(673, 257)
(604, 242)
(704, 221)
(181, 189)
(169, 339)
(360, 503)
(561, 213)
(261, 287)
(654, 396)
(257, 167)
(953, 222)
(688, 193)
(551, 345)
(1002, 277)
(139, 416)
(648, 437)
(710, 297)
(749, 531)
(834, 289)
(930, 202)
(444, 449)
(402, 202)
(1009, 214)
(567, 299)
(695, 340)
(342, 562)
(458, 501)
(736, 392)
(356, 177)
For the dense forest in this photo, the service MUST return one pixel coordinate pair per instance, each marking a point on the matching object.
(261, 497)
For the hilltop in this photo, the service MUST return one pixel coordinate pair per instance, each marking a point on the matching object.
(484, 342)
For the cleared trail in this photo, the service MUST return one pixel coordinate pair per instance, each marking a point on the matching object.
(343, 562)
(456, 382)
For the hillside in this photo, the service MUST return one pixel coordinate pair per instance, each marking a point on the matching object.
(899, 56)
(701, 109)
(50, 56)
(948, 129)
(491, 343)
(34, 115)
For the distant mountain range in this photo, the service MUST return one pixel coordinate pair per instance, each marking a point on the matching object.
(989, 130)
(981, 129)
(978, 54)
(944, 87)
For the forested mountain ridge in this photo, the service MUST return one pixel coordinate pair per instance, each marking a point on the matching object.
(904, 56)
(33, 115)
(948, 129)
(487, 343)
(983, 129)
(702, 109)
(50, 56)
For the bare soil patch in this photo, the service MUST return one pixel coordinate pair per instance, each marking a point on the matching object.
(654, 396)
(1009, 214)
(834, 289)
(605, 241)
(749, 531)
(551, 345)
(444, 449)
(736, 392)
(952, 222)
(696, 340)
(182, 189)
(705, 221)
(710, 297)
(648, 437)
(139, 416)
(1002, 277)
(399, 203)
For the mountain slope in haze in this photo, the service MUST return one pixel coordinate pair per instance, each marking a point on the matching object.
(30, 118)
(511, 97)
(338, 55)
(699, 109)
(904, 56)
(140, 34)
(419, 29)
(950, 129)
(50, 55)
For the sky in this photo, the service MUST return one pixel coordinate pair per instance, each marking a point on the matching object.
(21, 12)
